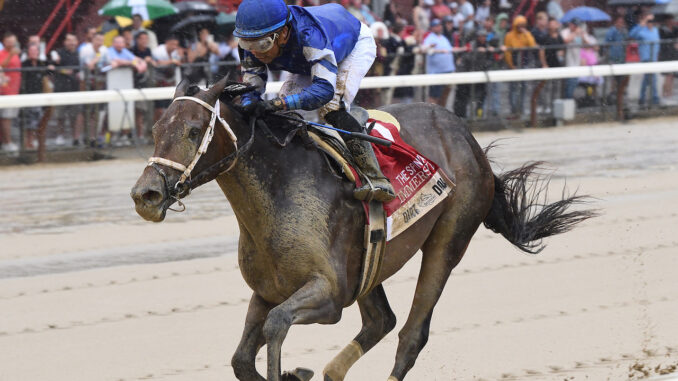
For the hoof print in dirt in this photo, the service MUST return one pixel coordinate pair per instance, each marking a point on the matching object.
(299, 374)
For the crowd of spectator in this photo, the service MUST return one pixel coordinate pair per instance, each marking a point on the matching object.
(78, 66)
(437, 36)
(458, 36)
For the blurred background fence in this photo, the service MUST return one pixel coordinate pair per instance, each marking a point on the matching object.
(76, 93)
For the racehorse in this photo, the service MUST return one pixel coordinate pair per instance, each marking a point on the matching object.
(301, 230)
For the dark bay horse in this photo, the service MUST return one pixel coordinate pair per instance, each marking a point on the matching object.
(301, 231)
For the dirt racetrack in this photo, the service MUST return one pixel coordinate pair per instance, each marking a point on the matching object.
(89, 291)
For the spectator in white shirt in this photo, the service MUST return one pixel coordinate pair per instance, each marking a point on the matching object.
(483, 12)
(167, 56)
(457, 17)
(93, 54)
(90, 31)
(466, 10)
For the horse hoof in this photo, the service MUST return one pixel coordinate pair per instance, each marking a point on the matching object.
(299, 374)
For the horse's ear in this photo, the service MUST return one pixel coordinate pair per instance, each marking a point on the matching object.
(182, 87)
(215, 91)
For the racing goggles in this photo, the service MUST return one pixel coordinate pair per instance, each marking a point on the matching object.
(260, 45)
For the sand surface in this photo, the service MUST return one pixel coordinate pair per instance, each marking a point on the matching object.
(89, 291)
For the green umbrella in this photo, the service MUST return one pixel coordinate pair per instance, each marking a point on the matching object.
(148, 9)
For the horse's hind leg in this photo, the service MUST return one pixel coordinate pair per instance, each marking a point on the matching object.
(378, 320)
(252, 340)
(441, 253)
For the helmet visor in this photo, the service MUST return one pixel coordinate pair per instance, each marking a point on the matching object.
(259, 45)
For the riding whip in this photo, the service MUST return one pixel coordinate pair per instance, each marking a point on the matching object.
(359, 135)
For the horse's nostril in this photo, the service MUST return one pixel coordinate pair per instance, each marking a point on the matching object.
(152, 197)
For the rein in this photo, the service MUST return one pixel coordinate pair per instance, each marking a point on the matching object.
(217, 168)
(187, 182)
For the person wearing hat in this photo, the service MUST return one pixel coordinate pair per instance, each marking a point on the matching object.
(517, 57)
(501, 27)
(450, 29)
(440, 59)
(328, 52)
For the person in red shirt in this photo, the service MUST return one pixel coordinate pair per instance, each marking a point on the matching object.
(439, 10)
(10, 84)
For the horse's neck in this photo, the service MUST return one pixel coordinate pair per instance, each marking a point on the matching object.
(284, 196)
(261, 181)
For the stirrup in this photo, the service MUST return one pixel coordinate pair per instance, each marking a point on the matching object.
(372, 192)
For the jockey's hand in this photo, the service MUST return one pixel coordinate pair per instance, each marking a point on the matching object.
(262, 108)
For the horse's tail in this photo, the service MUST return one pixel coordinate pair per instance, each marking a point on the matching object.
(521, 214)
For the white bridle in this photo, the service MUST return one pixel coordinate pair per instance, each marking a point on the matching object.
(207, 138)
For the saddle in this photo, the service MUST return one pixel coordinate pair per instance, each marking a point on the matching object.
(420, 185)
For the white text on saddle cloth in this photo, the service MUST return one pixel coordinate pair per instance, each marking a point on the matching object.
(418, 172)
(419, 184)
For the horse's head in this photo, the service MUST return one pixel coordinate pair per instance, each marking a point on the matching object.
(182, 146)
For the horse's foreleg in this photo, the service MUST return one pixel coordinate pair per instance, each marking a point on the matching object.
(252, 340)
(378, 320)
(312, 303)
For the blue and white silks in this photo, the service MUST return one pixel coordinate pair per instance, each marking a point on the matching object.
(320, 39)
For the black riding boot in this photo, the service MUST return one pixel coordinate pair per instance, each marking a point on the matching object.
(378, 187)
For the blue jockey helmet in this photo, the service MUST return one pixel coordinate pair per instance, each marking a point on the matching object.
(257, 18)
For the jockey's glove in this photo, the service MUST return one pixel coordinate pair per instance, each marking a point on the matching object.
(262, 108)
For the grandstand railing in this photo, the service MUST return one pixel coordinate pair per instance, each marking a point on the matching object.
(474, 77)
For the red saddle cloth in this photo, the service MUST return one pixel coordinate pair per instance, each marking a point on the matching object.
(419, 183)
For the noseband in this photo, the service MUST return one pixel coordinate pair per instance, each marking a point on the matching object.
(179, 189)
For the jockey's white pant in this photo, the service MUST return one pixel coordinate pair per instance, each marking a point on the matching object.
(350, 72)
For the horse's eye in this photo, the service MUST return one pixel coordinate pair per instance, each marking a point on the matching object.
(194, 133)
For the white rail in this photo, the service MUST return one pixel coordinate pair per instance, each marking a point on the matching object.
(159, 93)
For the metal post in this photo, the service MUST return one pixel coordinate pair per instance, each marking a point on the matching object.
(48, 22)
(88, 109)
(42, 135)
(68, 16)
(69, 26)
(472, 93)
(22, 136)
(533, 102)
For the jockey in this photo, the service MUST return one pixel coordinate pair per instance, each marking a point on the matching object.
(328, 52)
